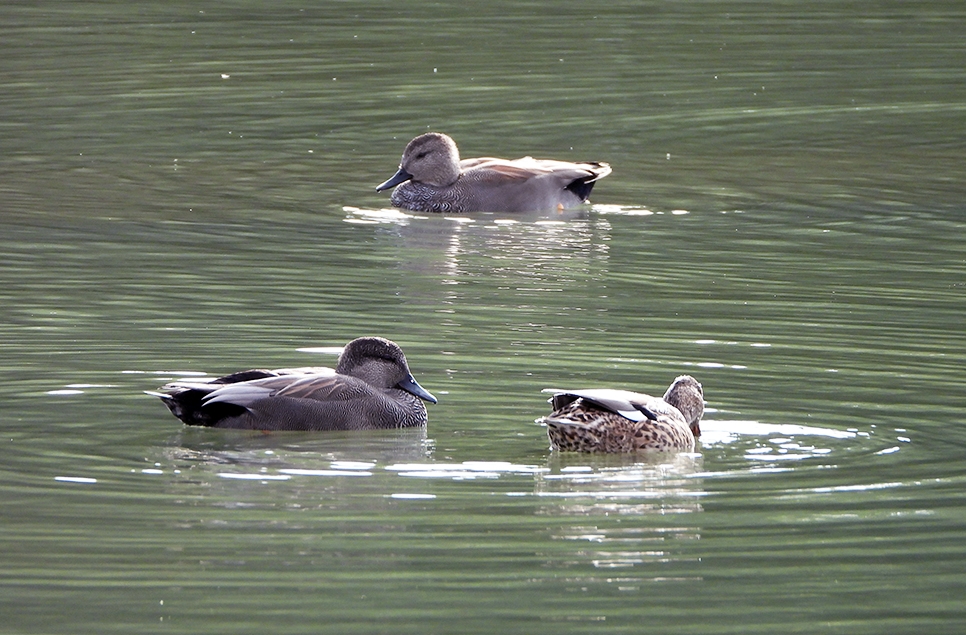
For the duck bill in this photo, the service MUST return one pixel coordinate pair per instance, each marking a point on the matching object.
(399, 177)
(696, 429)
(411, 386)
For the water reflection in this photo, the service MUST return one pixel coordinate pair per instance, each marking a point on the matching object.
(156, 213)
(540, 247)
(624, 511)
(768, 446)
(212, 454)
(467, 470)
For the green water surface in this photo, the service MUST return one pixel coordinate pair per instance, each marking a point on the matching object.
(188, 188)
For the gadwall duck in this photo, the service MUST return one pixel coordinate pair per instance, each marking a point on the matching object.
(371, 387)
(431, 178)
(604, 420)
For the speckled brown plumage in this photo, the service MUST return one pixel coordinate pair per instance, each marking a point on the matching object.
(614, 421)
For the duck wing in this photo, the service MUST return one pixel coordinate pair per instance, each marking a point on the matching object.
(630, 405)
(317, 387)
(587, 171)
(502, 171)
(578, 178)
(467, 164)
(210, 384)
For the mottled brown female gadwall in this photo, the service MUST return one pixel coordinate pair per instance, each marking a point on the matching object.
(604, 420)
(431, 178)
(371, 387)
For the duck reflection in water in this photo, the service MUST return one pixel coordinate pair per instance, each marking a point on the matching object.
(622, 511)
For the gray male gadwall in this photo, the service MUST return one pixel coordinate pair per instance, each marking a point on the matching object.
(431, 178)
(604, 420)
(371, 387)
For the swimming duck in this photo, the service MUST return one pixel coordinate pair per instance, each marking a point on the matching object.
(605, 420)
(371, 387)
(432, 178)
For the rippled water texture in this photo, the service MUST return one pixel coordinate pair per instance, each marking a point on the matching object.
(188, 189)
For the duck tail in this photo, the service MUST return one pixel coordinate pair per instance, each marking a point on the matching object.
(186, 403)
(582, 187)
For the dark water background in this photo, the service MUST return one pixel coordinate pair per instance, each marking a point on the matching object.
(188, 188)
